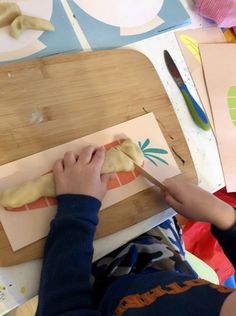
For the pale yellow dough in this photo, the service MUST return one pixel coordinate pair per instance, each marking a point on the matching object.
(28, 192)
(24, 22)
(44, 186)
(117, 161)
(8, 13)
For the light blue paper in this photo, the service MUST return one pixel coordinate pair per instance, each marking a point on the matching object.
(104, 36)
(63, 39)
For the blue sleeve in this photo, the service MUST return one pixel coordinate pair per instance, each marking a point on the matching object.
(227, 240)
(65, 287)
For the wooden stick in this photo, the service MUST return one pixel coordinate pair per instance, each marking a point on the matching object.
(149, 177)
(143, 172)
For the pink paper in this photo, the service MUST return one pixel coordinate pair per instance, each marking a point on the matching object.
(188, 41)
(25, 227)
(219, 63)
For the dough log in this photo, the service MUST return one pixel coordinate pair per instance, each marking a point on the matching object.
(44, 186)
(8, 13)
(28, 192)
(24, 22)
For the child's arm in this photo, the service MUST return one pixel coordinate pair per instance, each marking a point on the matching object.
(65, 287)
(199, 205)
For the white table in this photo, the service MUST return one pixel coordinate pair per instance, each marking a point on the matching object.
(25, 277)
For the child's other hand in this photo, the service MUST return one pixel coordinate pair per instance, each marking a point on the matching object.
(198, 205)
(81, 174)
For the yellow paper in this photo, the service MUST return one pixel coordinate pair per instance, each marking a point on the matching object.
(192, 46)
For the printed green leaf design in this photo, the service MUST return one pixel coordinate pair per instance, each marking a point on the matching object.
(232, 104)
(148, 157)
(156, 151)
(155, 157)
(150, 153)
(145, 144)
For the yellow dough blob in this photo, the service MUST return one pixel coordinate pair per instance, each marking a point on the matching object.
(117, 161)
(44, 186)
(24, 22)
(8, 13)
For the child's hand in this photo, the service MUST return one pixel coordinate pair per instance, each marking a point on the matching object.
(81, 174)
(198, 205)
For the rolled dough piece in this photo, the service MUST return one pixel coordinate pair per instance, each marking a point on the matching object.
(132, 150)
(24, 22)
(44, 186)
(28, 192)
(117, 161)
(8, 13)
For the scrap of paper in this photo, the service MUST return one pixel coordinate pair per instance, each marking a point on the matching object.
(219, 65)
(26, 227)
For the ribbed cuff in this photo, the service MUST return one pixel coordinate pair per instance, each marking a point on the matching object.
(79, 206)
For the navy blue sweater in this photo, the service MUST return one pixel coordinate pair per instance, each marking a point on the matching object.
(65, 288)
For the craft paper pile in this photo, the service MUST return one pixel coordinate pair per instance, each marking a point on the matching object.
(212, 65)
(189, 41)
(219, 65)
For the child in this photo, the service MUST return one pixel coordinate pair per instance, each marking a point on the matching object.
(147, 276)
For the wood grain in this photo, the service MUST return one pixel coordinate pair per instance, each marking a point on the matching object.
(75, 95)
(26, 309)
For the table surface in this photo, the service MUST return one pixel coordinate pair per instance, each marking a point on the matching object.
(202, 146)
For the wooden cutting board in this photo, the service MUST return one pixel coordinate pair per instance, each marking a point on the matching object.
(48, 101)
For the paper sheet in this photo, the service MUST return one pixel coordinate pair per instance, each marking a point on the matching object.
(25, 227)
(115, 23)
(90, 25)
(34, 43)
(188, 41)
(219, 65)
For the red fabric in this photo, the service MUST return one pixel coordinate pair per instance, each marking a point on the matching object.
(229, 198)
(200, 242)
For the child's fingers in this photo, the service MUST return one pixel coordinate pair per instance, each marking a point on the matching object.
(58, 166)
(175, 188)
(172, 202)
(69, 159)
(86, 155)
(163, 193)
(98, 158)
